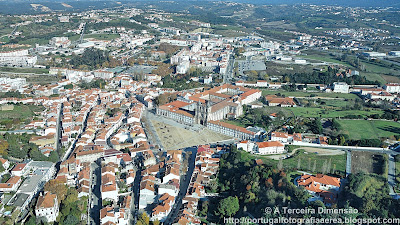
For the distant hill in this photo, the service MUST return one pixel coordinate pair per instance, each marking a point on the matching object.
(24, 7)
(352, 3)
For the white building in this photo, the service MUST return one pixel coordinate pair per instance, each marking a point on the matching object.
(183, 67)
(19, 170)
(47, 207)
(374, 54)
(63, 19)
(17, 58)
(5, 163)
(392, 87)
(147, 195)
(394, 53)
(11, 185)
(60, 42)
(169, 189)
(171, 174)
(340, 87)
(270, 147)
(278, 136)
(246, 145)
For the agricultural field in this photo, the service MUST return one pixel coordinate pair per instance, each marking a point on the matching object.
(24, 70)
(229, 31)
(330, 113)
(279, 69)
(102, 36)
(372, 72)
(367, 162)
(310, 94)
(391, 79)
(367, 129)
(307, 160)
(397, 170)
(21, 114)
(325, 58)
(324, 105)
(234, 122)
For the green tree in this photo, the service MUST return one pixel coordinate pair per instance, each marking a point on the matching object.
(71, 220)
(57, 187)
(69, 86)
(53, 157)
(90, 59)
(228, 207)
(3, 147)
(336, 125)
(31, 221)
(144, 219)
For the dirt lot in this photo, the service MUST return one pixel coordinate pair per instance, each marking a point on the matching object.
(175, 137)
(320, 151)
(367, 162)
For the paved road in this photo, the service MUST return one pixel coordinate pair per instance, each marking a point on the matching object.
(136, 190)
(70, 150)
(392, 175)
(227, 77)
(348, 163)
(184, 184)
(58, 127)
(391, 171)
(95, 193)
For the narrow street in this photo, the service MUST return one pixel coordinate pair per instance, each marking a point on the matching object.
(184, 185)
(392, 175)
(348, 163)
(72, 147)
(136, 190)
(95, 195)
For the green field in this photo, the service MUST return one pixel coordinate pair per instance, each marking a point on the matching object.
(325, 58)
(337, 161)
(373, 72)
(20, 114)
(102, 36)
(234, 122)
(376, 68)
(21, 111)
(327, 103)
(368, 129)
(373, 77)
(329, 113)
(310, 94)
(24, 70)
(107, 37)
(397, 171)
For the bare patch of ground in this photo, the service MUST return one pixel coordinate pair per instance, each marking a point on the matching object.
(322, 151)
(391, 79)
(319, 151)
(368, 162)
(173, 137)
